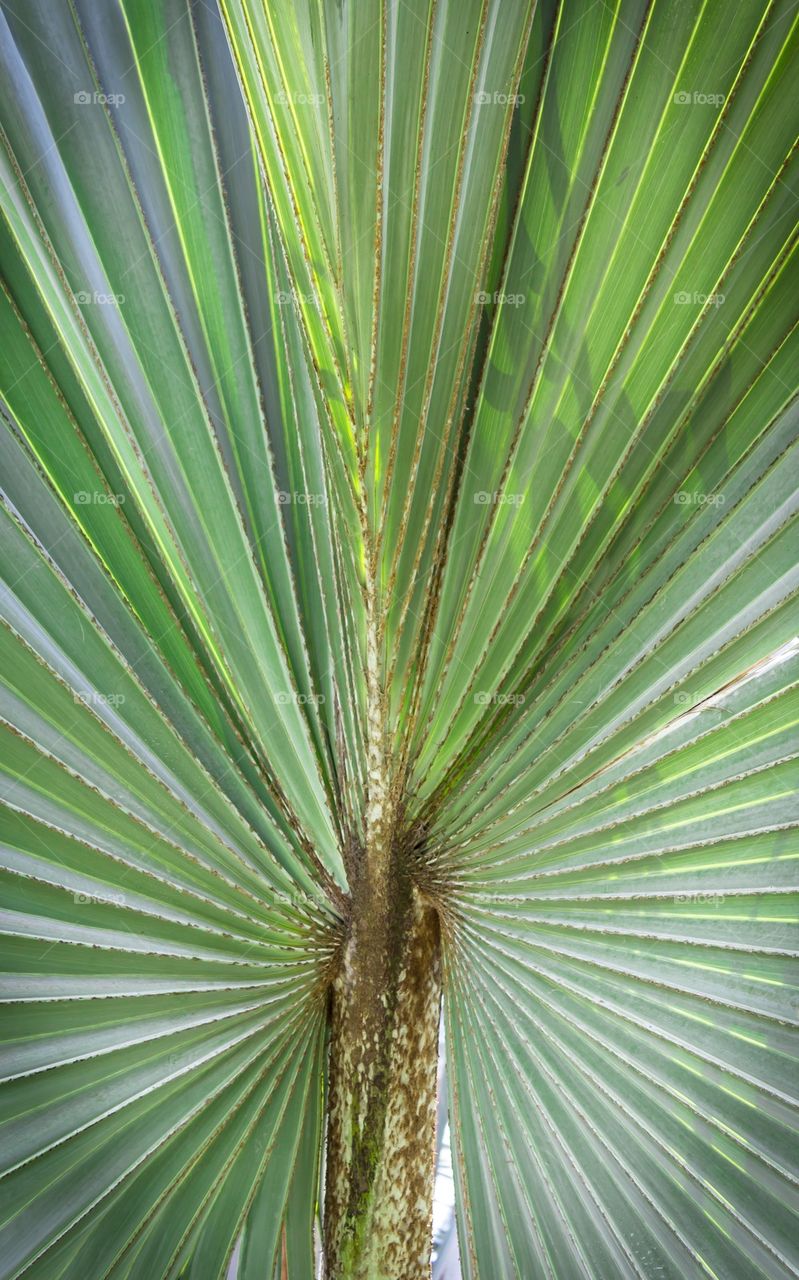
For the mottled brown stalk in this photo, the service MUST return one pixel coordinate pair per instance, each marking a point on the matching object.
(381, 1125)
(383, 1048)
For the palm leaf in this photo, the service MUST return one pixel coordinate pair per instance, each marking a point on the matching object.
(399, 451)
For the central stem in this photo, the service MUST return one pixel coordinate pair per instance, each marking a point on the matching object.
(383, 1048)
